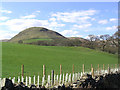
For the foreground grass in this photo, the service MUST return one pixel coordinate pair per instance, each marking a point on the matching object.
(33, 57)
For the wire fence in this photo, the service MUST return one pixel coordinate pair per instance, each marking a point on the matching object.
(57, 70)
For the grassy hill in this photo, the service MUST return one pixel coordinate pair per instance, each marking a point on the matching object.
(36, 34)
(33, 57)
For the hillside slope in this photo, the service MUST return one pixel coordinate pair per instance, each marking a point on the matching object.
(33, 57)
(36, 33)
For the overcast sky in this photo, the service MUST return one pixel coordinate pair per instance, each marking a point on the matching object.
(71, 19)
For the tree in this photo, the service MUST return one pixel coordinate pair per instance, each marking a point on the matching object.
(20, 41)
(104, 40)
(93, 41)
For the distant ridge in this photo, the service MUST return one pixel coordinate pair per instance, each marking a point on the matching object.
(36, 33)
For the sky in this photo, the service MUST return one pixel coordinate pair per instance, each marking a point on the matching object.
(71, 19)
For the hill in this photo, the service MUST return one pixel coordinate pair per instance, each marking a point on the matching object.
(79, 38)
(33, 57)
(35, 34)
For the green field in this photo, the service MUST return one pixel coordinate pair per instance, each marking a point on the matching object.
(33, 57)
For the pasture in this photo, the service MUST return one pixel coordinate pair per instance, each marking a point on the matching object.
(33, 57)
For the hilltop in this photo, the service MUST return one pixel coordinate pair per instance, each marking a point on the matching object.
(36, 33)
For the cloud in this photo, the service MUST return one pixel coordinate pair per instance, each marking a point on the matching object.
(33, 15)
(103, 22)
(111, 28)
(37, 11)
(4, 18)
(52, 19)
(113, 19)
(82, 26)
(55, 24)
(74, 16)
(23, 23)
(5, 11)
(6, 34)
(69, 32)
(79, 35)
(28, 16)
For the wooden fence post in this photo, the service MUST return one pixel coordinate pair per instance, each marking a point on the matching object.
(92, 71)
(22, 70)
(60, 69)
(73, 68)
(43, 70)
(83, 69)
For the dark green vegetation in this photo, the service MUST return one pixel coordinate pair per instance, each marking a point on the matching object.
(36, 33)
(35, 40)
(34, 56)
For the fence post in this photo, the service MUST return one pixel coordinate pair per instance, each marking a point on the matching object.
(29, 80)
(48, 80)
(63, 79)
(60, 78)
(34, 79)
(73, 68)
(92, 71)
(43, 70)
(18, 79)
(57, 79)
(22, 79)
(38, 80)
(52, 77)
(69, 80)
(26, 81)
(60, 69)
(13, 80)
(83, 69)
(73, 78)
(66, 78)
(0, 83)
(22, 70)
